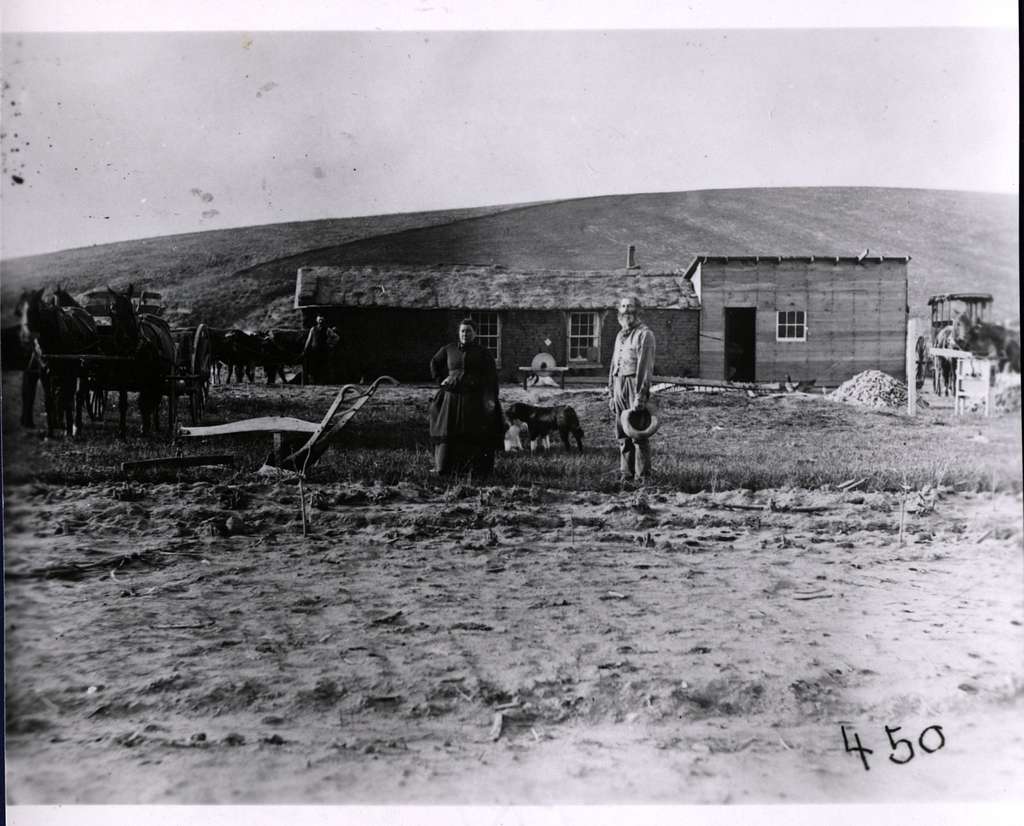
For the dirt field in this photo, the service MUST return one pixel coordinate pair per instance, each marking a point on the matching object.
(181, 642)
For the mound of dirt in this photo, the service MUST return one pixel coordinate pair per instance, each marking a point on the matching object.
(1007, 400)
(872, 388)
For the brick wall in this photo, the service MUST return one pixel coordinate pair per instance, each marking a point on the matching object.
(677, 334)
(401, 342)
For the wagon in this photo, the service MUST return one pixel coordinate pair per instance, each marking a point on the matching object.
(104, 374)
(188, 377)
(96, 304)
(193, 359)
(948, 306)
(945, 307)
(191, 374)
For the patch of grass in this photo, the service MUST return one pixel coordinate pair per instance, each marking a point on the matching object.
(706, 442)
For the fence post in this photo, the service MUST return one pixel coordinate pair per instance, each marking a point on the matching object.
(911, 367)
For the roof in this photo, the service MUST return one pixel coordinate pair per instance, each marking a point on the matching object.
(983, 298)
(489, 288)
(804, 259)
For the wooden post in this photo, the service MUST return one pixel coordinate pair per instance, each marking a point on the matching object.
(911, 367)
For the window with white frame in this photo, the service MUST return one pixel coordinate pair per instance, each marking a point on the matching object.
(585, 337)
(488, 332)
(792, 326)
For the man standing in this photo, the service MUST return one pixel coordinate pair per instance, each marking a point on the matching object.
(629, 386)
(316, 353)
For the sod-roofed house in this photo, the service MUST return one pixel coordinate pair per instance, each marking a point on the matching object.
(392, 319)
(764, 318)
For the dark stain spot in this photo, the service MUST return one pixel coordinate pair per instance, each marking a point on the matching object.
(211, 213)
(17, 179)
(318, 172)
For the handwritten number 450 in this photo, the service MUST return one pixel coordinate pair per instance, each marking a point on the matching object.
(897, 744)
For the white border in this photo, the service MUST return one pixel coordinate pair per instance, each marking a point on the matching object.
(435, 15)
(930, 814)
(416, 15)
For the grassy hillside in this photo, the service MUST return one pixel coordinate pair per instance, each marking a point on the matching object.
(958, 241)
(206, 275)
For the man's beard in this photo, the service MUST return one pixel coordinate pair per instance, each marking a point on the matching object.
(626, 323)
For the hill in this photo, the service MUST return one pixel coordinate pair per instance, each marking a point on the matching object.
(203, 274)
(959, 241)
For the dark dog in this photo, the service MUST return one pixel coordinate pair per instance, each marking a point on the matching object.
(541, 422)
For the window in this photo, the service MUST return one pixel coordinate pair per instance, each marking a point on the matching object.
(792, 326)
(488, 332)
(585, 337)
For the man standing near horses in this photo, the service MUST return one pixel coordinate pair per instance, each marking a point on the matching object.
(32, 373)
(629, 388)
(316, 353)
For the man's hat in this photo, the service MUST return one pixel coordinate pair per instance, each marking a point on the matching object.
(639, 424)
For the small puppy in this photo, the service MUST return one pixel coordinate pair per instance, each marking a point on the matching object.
(541, 422)
(514, 437)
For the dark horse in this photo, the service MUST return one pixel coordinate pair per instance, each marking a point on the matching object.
(238, 350)
(32, 371)
(991, 341)
(281, 348)
(50, 330)
(148, 341)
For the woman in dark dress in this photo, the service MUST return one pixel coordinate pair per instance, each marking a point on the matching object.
(465, 415)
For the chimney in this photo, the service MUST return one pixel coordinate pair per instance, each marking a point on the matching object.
(631, 257)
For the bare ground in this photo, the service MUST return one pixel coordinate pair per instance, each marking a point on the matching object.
(429, 644)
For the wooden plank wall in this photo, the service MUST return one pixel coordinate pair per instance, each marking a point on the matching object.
(856, 316)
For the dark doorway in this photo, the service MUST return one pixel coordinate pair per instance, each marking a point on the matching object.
(740, 347)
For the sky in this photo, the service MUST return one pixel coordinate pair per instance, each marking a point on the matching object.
(119, 135)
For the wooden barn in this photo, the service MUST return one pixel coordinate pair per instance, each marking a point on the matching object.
(392, 319)
(764, 318)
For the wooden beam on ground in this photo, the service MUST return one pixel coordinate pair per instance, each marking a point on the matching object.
(180, 461)
(725, 385)
(264, 424)
(86, 357)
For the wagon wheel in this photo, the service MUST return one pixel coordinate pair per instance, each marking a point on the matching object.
(172, 399)
(200, 368)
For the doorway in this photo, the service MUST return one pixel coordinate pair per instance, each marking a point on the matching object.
(740, 343)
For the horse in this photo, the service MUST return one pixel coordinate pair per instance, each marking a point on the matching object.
(32, 371)
(63, 298)
(281, 348)
(239, 351)
(218, 353)
(991, 341)
(52, 330)
(943, 368)
(148, 341)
